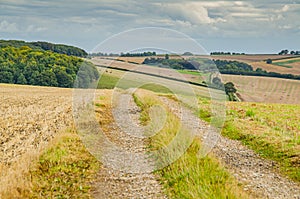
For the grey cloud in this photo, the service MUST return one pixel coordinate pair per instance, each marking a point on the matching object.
(87, 22)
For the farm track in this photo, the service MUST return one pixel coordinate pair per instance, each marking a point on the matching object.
(31, 116)
(259, 176)
(126, 171)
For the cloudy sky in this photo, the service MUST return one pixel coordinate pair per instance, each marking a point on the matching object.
(257, 26)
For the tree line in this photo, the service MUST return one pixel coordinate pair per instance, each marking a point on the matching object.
(143, 54)
(286, 52)
(226, 53)
(25, 65)
(40, 45)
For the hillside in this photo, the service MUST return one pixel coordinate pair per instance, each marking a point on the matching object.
(24, 65)
(40, 45)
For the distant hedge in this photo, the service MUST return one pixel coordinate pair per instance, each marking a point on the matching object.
(25, 65)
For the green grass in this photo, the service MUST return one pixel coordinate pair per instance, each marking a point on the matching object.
(271, 130)
(190, 72)
(286, 63)
(156, 88)
(189, 176)
(65, 170)
(112, 80)
(107, 81)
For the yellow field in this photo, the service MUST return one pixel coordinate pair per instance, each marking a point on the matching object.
(266, 89)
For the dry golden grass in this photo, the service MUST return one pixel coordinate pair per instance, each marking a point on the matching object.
(273, 130)
(266, 89)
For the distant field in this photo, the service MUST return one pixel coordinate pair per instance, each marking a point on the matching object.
(242, 58)
(251, 88)
(140, 60)
(266, 89)
(284, 66)
(288, 63)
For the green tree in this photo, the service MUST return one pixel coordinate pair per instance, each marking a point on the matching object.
(21, 79)
(269, 61)
(63, 79)
(229, 88)
(6, 77)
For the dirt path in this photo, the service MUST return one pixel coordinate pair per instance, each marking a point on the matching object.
(257, 174)
(127, 171)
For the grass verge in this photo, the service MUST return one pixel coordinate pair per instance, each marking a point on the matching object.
(271, 130)
(65, 170)
(189, 176)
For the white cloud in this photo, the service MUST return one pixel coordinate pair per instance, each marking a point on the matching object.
(285, 8)
(8, 27)
(193, 12)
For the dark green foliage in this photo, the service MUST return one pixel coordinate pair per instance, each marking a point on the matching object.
(44, 68)
(58, 48)
(167, 56)
(144, 54)
(225, 66)
(284, 52)
(240, 68)
(178, 64)
(226, 53)
(269, 61)
(229, 88)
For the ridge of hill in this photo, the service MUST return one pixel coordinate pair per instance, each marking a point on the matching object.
(42, 45)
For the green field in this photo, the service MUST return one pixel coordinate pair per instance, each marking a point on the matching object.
(286, 63)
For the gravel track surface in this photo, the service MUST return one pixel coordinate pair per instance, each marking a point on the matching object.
(127, 170)
(259, 176)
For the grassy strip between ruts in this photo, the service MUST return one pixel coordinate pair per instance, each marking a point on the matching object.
(65, 170)
(189, 176)
(271, 130)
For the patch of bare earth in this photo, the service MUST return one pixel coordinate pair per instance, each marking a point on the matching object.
(127, 170)
(258, 176)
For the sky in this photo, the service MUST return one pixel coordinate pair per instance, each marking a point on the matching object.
(256, 26)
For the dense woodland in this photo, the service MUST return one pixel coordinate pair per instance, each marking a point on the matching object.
(25, 65)
(58, 48)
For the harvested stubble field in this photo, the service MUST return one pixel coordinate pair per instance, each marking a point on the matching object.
(29, 118)
(294, 69)
(266, 89)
